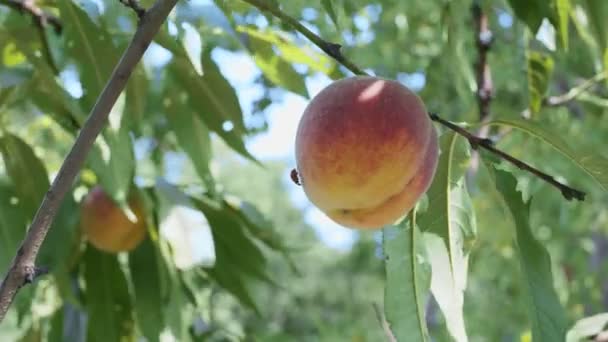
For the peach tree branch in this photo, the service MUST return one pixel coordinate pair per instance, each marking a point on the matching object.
(475, 141)
(40, 17)
(23, 269)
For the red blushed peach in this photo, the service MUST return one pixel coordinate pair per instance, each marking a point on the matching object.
(366, 151)
(107, 227)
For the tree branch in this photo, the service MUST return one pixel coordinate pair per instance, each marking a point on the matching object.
(484, 39)
(487, 144)
(41, 18)
(22, 269)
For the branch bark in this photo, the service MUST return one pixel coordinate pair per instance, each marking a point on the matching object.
(41, 17)
(23, 269)
(484, 40)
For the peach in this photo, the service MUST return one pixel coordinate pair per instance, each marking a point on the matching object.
(107, 227)
(366, 151)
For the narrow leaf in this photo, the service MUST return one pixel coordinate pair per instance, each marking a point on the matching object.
(192, 134)
(28, 174)
(275, 68)
(329, 8)
(13, 224)
(450, 223)
(406, 286)
(546, 313)
(562, 8)
(107, 295)
(146, 280)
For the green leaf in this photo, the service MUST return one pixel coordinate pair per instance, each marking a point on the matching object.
(62, 237)
(112, 157)
(274, 67)
(540, 68)
(329, 8)
(55, 333)
(451, 226)
(562, 9)
(213, 99)
(585, 328)
(13, 224)
(531, 12)
(546, 313)
(107, 296)
(597, 11)
(26, 171)
(146, 280)
(406, 283)
(192, 135)
(91, 47)
(137, 93)
(595, 165)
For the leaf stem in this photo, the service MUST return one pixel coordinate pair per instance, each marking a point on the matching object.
(23, 269)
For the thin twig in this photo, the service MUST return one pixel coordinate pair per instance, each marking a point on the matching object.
(332, 49)
(135, 6)
(41, 18)
(475, 141)
(23, 269)
(573, 93)
(390, 337)
(487, 144)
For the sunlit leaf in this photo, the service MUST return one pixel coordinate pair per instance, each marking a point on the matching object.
(407, 282)
(562, 8)
(451, 226)
(587, 327)
(540, 68)
(272, 64)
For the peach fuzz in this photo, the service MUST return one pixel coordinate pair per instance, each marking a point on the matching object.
(366, 151)
(107, 227)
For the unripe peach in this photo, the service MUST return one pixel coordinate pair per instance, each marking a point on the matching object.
(107, 227)
(366, 151)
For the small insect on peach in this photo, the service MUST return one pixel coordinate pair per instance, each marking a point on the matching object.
(294, 176)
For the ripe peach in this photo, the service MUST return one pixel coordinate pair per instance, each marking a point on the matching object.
(106, 225)
(366, 151)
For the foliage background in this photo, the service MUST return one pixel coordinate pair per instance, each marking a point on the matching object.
(181, 133)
